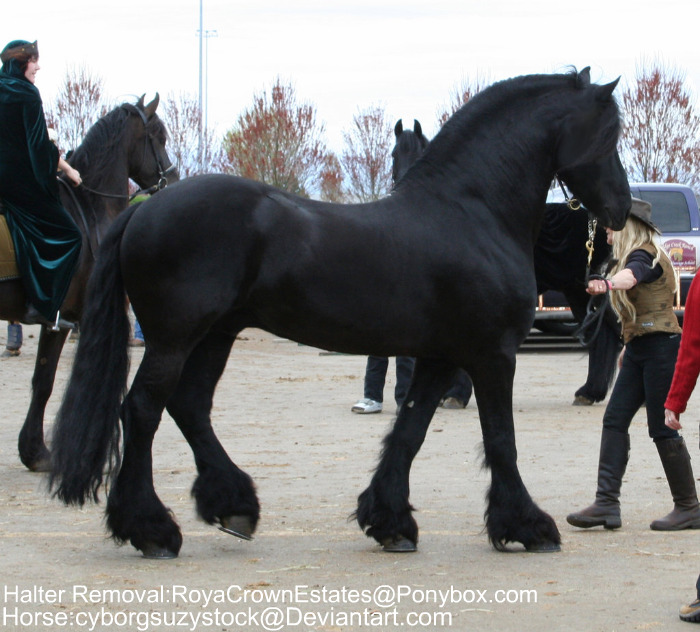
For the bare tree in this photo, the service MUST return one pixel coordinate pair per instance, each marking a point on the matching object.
(331, 180)
(79, 104)
(661, 136)
(366, 158)
(182, 116)
(278, 141)
(460, 94)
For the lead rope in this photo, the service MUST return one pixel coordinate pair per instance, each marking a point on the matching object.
(597, 305)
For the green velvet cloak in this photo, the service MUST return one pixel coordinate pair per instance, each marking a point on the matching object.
(46, 238)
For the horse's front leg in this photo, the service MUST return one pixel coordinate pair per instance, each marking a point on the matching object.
(383, 509)
(511, 515)
(224, 493)
(32, 449)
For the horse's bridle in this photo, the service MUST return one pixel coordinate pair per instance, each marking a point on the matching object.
(162, 172)
(161, 184)
(572, 202)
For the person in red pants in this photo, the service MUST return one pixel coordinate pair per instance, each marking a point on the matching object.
(685, 377)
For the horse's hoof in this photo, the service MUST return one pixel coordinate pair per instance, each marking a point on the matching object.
(42, 465)
(543, 547)
(155, 552)
(39, 461)
(582, 400)
(240, 526)
(399, 545)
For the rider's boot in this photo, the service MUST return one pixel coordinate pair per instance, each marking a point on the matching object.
(34, 317)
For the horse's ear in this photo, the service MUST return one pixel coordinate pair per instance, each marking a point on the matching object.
(398, 129)
(604, 93)
(417, 129)
(151, 108)
(139, 103)
(583, 78)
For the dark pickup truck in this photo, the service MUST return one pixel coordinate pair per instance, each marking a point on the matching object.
(674, 209)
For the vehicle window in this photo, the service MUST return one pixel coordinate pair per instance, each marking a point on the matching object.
(669, 210)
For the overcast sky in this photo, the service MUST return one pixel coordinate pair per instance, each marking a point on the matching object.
(346, 55)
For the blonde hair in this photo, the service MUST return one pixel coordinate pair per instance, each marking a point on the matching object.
(633, 236)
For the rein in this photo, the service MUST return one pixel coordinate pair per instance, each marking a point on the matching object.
(149, 191)
(597, 305)
(81, 214)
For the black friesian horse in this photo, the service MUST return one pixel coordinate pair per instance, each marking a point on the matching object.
(128, 142)
(448, 257)
(561, 264)
(409, 147)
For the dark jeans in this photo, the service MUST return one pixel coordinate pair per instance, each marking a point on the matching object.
(645, 376)
(461, 388)
(375, 376)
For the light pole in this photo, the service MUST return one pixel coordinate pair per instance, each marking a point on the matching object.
(207, 35)
(203, 97)
(199, 127)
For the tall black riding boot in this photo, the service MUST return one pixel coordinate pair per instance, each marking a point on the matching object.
(605, 511)
(686, 510)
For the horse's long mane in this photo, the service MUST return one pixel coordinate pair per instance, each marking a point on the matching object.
(498, 101)
(94, 156)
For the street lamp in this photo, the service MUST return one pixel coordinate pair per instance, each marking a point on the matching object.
(199, 127)
(203, 98)
(207, 35)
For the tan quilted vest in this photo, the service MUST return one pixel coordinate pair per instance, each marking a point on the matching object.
(654, 304)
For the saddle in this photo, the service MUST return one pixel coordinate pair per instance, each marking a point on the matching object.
(8, 259)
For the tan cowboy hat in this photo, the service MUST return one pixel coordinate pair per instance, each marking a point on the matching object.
(641, 210)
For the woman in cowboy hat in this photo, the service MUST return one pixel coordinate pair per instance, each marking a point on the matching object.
(47, 240)
(642, 286)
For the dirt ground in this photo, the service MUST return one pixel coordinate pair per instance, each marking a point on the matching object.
(283, 413)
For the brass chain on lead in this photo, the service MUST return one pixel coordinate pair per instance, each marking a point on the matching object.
(592, 226)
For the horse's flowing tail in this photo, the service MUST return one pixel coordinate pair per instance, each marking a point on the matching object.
(86, 432)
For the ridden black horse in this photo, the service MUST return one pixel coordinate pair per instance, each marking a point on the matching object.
(561, 264)
(128, 142)
(447, 258)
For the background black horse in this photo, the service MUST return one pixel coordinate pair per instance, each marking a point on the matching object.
(447, 258)
(561, 264)
(128, 142)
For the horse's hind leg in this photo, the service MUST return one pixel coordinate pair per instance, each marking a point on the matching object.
(134, 512)
(223, 492)
(32, 449)
(383, 509)
(511, 515)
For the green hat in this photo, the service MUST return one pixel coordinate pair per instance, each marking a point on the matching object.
(19, 48)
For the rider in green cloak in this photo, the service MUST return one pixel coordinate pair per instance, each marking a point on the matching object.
(47, 240)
